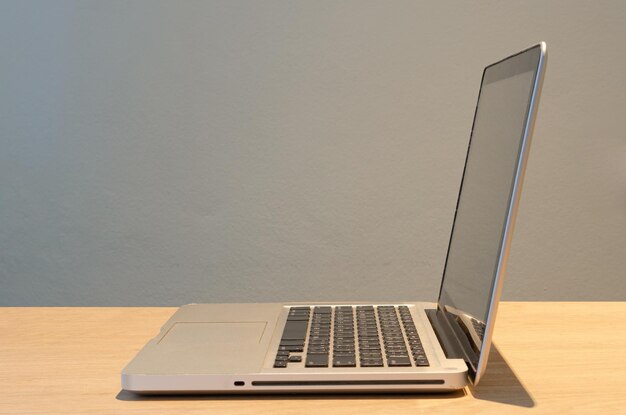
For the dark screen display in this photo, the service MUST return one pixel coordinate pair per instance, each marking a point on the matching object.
(485, 196)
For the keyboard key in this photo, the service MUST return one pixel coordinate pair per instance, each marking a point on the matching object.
(344, 361)
(291, 348)
(295, 358)
(298, 318)
(319, 340)
(295, 330)
(317, 360)
(399, 361)
(292, 343)
(372, 362)
(399, 355)
(343, 347)
(371, 355)
(422, 362)
(280, 363)
(394, 343)
(320, 332)
(318, 347)
(318, 351)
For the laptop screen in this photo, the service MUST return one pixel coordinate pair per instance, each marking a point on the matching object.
(487, 194)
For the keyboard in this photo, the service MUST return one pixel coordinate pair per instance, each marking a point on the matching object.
(479, 328)
(350, 336)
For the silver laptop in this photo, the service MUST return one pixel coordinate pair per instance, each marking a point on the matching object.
(353, 346)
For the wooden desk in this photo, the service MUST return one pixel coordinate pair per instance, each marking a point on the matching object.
(549, 358)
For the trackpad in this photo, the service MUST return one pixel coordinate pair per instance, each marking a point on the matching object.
(212, 347)
(218, 335)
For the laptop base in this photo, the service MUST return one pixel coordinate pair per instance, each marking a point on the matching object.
(231, 348)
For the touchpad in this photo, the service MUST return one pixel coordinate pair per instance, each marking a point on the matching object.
(212, 347)
(215, 334)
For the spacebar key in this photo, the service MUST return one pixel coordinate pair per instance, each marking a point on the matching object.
(295, 330)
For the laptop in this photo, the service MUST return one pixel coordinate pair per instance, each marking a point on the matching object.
(350, 346)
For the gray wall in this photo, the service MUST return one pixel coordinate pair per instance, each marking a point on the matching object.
(166, 153)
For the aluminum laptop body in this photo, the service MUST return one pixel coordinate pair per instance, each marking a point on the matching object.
(359, 347)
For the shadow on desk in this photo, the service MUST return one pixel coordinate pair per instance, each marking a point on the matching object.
(498, 385)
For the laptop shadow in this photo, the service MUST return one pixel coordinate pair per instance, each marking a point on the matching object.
(500, 384)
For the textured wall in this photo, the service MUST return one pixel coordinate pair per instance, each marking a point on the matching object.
(165, 153)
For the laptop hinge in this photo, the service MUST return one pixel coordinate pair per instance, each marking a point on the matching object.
(448, 341)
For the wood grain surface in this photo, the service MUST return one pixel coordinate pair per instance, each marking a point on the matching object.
(556, 358)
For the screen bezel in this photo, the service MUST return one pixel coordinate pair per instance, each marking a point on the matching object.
(475, 371)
